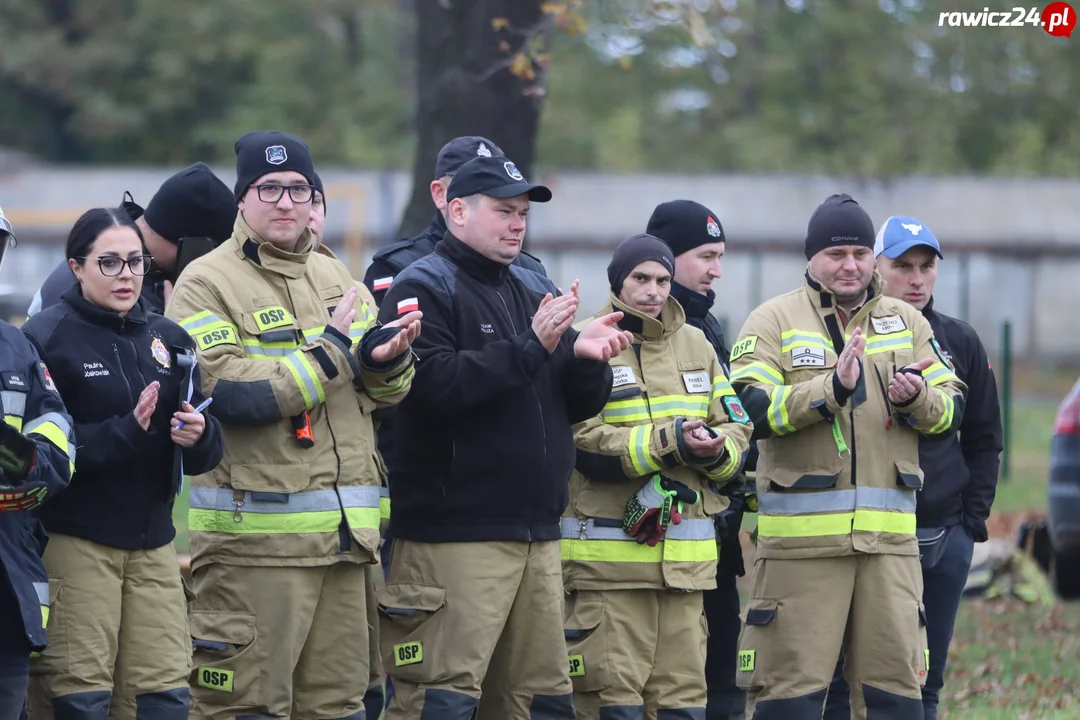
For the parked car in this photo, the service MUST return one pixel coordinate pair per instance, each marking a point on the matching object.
(1063, 497)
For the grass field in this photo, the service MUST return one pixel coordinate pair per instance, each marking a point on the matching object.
(1009, 661)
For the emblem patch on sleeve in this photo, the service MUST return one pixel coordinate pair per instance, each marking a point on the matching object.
(46, 379)
(735, 410)
(942, 355)
(744, 347)
(407, 305)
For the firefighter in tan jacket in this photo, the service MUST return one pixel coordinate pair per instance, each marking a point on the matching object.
(283, 529)
(840, 381)
(639, 543)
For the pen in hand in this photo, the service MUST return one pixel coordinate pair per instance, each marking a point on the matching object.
(202, 406)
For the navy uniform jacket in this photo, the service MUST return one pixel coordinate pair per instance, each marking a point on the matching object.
(126, 478)
(484, 441)
(386, 264)
(961, 469)
(32, 405)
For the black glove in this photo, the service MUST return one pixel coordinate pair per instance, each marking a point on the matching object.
(17, 452)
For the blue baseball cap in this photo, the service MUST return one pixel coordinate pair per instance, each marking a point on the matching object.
(900, 233)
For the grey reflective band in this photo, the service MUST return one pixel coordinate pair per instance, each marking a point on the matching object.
(204, 498)
(574, 529)
(55, 418)
(826, 501)
(42, 590)
(14, 402)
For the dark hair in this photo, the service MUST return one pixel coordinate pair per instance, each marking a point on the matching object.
(92, 223)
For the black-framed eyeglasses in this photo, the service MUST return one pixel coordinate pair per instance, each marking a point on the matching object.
(297, 193)
(113, 265)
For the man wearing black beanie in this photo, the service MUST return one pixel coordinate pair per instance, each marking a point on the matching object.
(659, 456)
(284, 529)
(840, 381)
(192, 203)
(696, 237)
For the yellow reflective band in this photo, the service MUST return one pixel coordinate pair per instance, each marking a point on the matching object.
(221, 333)
(721, 387)
(399, 384)
(632, 410)
(778, 412)
(762, 372)
(926, 656)
(937, 374)
(805, 525)
(44, 617)
(946, 416)
(271, 318)
(216, 679)
(14, 421)
(665, 406)
(640, 450)
(360, 518)
(198, 320)
(384, 508)
(48, 426)
(632, 552)
(734, 457)
(792, 339)
(223, 521)
(899, 523)
(889, 343)
(306, 378)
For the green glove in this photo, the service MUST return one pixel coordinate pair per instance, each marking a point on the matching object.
(656, 505)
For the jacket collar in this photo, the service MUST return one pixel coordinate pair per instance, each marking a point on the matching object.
(696, 305)
(472, 262)
(248, 244)
(104, 317)
(644, 327)
(437, 228)
(824, 299)
(928, 311)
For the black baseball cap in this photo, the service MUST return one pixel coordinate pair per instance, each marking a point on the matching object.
(461, 150)
(495, 177)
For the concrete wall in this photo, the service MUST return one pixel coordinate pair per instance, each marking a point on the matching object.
(1012, 245)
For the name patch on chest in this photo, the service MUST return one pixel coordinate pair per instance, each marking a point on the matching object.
(696, 382)
(622, 375)
(808, 357)
(887, 325)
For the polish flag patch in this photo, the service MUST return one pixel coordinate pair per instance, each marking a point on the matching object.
(407, 305)
(383, 283)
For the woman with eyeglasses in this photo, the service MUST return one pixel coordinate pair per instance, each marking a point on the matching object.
(130, 383)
